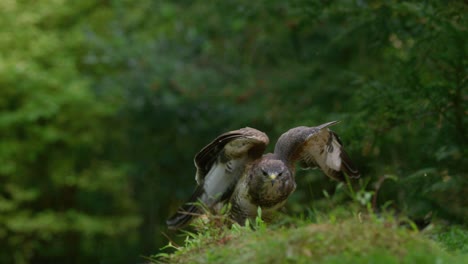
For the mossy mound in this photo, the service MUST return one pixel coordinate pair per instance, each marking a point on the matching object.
(347, 241)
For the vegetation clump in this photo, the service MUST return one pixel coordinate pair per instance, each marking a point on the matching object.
(350, 240)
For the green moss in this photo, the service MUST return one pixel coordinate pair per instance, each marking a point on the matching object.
(348, 241)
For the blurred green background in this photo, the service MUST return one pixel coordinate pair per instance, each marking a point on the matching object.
(103, 105)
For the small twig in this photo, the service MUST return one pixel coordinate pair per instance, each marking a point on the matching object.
(378, 185)
(170, 240)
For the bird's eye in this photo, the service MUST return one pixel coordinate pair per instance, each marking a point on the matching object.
(264, 173)
(281, 173)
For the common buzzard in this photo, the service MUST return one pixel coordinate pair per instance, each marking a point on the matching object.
(232, 169)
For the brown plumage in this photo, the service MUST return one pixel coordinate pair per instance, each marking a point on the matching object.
(232, 169)
(220, 165)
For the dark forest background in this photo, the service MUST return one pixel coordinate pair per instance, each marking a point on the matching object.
(103, 105)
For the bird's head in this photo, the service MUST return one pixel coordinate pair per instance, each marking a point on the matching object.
(270, 170)
(271, 182)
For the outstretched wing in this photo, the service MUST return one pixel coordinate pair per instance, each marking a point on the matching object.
(219, 166)
(316, 147)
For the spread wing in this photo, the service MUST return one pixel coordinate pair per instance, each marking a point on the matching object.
(316, 147)
(219, 166)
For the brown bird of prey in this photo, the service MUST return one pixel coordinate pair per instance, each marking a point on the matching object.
(232, 169)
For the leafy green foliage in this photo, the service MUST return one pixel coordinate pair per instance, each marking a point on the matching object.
(453, 238)
(103, 105)
(62, 199)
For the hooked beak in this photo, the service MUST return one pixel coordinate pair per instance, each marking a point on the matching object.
(273, 178)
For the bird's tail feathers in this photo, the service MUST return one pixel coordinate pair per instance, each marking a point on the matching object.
(187, 212)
